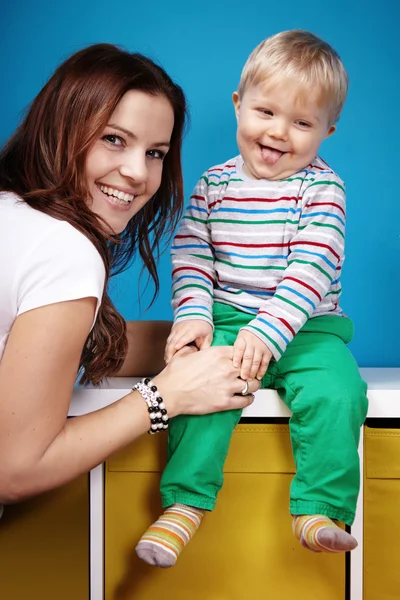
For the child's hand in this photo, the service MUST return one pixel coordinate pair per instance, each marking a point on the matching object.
(251, 355)
(193, 330)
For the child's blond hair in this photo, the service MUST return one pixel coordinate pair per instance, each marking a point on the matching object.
(301, 58)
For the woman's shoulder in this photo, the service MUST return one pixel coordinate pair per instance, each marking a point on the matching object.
(46, 260)
(26, 230)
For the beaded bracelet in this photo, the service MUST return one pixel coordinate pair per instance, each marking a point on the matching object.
(155, 404)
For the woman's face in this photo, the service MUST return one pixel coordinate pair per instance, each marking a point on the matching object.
(124, 167)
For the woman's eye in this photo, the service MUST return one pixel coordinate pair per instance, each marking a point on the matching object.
(158, 154)
(113, 139)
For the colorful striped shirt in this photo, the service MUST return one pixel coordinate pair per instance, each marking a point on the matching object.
(274, 249)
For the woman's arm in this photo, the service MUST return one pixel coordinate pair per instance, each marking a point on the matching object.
(146, 346)
(40, 449)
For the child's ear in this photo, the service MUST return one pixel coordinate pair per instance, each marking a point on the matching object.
(330, 131)
(236, 104)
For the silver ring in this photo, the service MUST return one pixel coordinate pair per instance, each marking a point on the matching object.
(245, 390)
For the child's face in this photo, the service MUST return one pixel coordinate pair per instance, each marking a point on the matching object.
(279, 133)
(124, 167)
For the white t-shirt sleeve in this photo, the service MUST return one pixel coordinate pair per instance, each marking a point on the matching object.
(63, 266)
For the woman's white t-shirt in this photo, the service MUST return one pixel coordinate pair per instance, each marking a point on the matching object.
(42, 261)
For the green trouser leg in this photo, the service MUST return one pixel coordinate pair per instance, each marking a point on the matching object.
(194, 472)
(318, 379)
(197, 447)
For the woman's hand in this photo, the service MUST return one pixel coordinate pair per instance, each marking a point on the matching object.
(203, 382)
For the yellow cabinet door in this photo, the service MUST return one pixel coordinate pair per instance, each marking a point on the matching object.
(243, 550)
(381, 514)
(44, 546)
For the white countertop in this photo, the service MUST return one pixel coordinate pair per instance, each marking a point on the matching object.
(383, 394)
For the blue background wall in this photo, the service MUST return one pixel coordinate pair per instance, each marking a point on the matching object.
(203, 47)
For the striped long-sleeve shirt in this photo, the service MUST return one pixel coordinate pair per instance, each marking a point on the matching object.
(274, 249)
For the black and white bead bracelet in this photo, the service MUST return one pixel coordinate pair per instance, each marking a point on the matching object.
(155, 404)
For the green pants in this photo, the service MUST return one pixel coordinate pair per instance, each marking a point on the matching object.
(318, 379)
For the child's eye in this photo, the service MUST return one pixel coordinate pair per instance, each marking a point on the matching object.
(303, 124)
(266, 111)
(113, 139)
(157, 154)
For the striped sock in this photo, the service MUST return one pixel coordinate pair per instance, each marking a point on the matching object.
(320, 534)
(165, 539)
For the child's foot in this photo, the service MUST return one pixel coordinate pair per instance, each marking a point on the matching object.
(320, 534)
(165, 539)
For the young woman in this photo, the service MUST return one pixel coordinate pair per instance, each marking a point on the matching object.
(92, 175)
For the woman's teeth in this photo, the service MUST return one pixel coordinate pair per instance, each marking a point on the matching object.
(120, 197)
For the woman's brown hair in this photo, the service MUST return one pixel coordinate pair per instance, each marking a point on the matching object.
(44, 164)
